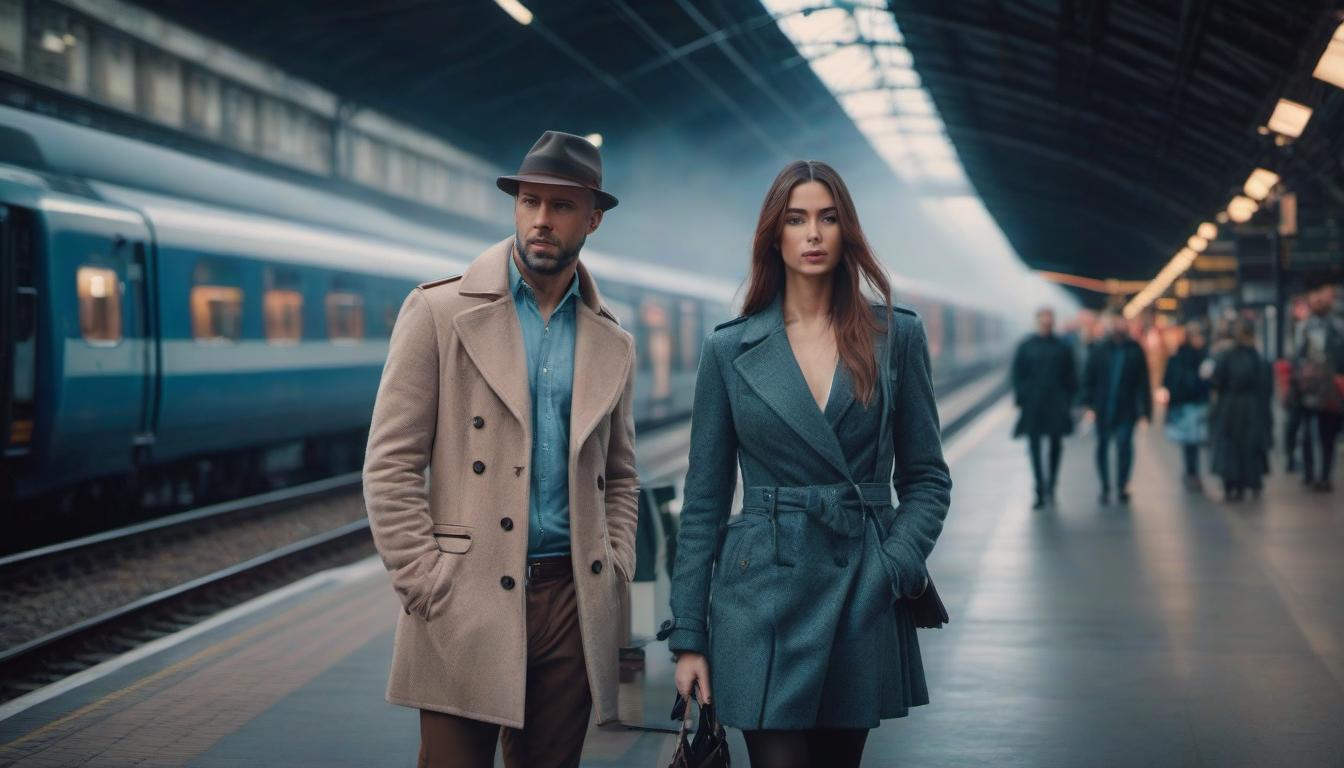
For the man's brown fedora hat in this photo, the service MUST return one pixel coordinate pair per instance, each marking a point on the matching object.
(564, 159)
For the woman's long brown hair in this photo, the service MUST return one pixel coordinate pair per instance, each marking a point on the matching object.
(851, 316)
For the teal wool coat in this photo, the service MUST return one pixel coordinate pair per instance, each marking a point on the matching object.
(799, 602)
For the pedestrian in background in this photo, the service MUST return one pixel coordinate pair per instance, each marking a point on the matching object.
(1117, 395)
(1045, 382)
(1241, 420)
(1187, 383)
(1318, 377)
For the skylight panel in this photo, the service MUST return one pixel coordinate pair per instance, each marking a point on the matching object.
(849, 68)
(829, 25)
(866, 103)
(877, 25)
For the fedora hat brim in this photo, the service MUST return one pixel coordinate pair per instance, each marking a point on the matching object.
(509, 184)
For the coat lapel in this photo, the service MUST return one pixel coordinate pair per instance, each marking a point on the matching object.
(490, 333)
(602, 357)
(771, 370)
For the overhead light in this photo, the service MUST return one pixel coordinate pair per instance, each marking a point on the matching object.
(1330, 68)
(1208, 230)
(1259, 183)
(1221, 217)
(1289, 118)
(1197, 243)
(595, 139)
(517, 10)
(1242, 208)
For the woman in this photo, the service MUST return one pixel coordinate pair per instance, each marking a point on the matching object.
(1242, 426)
(810, 639)
(1187, 383)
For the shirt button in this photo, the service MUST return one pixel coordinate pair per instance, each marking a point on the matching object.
(506, 582)
(506, 524)
(601, 483)
(597, 566)
(478, 467)
(477, 422)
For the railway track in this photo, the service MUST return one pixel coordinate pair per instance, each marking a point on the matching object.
(73, 605)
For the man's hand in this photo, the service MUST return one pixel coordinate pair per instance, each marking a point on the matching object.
(693, 672)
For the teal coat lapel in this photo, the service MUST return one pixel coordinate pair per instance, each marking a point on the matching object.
(770, 369)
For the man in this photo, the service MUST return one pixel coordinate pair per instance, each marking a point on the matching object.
(1117, 394)
(512, 383)
(1318, 376)
(1044, 384)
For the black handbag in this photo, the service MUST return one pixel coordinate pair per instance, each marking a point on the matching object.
(709, 747)
(927, 609)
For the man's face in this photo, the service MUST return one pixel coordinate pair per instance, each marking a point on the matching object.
(553, 222)
(1045, 322)
(1321, 299)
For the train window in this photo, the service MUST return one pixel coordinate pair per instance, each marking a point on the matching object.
(11, 34)
(690, 335)
(283, 310)
(655, 322)
(99, 304)
(345, 316)
(114, 69)
(216, 312)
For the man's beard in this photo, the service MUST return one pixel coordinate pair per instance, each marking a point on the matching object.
(545, 265)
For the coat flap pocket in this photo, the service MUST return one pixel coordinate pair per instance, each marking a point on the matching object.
(455, 539)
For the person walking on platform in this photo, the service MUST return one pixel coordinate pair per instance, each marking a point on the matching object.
(1243, 430)
(1186, 380)
(1045, 382)
(1318, 380)
(511, 384)
(1117, 394)
(804, 606)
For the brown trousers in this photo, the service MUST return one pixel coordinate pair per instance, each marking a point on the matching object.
(558, 702)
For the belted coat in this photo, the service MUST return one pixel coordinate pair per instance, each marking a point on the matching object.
(799, 600)
(446, 479)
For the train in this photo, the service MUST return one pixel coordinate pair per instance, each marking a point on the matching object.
(176, 329)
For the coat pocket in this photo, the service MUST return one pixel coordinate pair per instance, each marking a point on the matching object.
(453, 539)
(735, 555)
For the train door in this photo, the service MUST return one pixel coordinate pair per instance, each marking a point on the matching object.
(143, 292)
(18, 335)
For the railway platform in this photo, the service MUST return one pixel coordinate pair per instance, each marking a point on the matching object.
(1178, 630)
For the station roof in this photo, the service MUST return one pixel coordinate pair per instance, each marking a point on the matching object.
(1099, 133)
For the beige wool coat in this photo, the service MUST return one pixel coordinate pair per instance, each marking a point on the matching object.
(446, 480)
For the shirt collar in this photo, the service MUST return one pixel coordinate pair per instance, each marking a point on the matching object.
(518, 284)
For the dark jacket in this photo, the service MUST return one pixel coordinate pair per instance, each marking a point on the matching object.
(1045, 381)
(803, 629)
(1241, 422)
(1117, 396)
(1182, 380)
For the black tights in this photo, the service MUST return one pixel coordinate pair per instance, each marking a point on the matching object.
(839, 747)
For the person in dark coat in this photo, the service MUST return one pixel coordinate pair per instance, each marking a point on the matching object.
(1318, 380)
(1242, 423)
(1045, 381)
(1117, 395)
(800, 609)
(1187, 383)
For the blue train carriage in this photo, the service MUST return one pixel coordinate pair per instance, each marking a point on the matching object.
(77, 320)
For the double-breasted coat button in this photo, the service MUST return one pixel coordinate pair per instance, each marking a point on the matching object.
(601, 483)
(506, 524)
(477, 422)
(478, 467)
(597, 566)
(506, 582)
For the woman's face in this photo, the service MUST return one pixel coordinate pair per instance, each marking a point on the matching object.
(810, 243)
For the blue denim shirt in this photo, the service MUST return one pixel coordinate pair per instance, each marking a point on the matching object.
(550, 377)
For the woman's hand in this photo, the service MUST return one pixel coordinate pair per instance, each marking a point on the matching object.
(693, 672)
